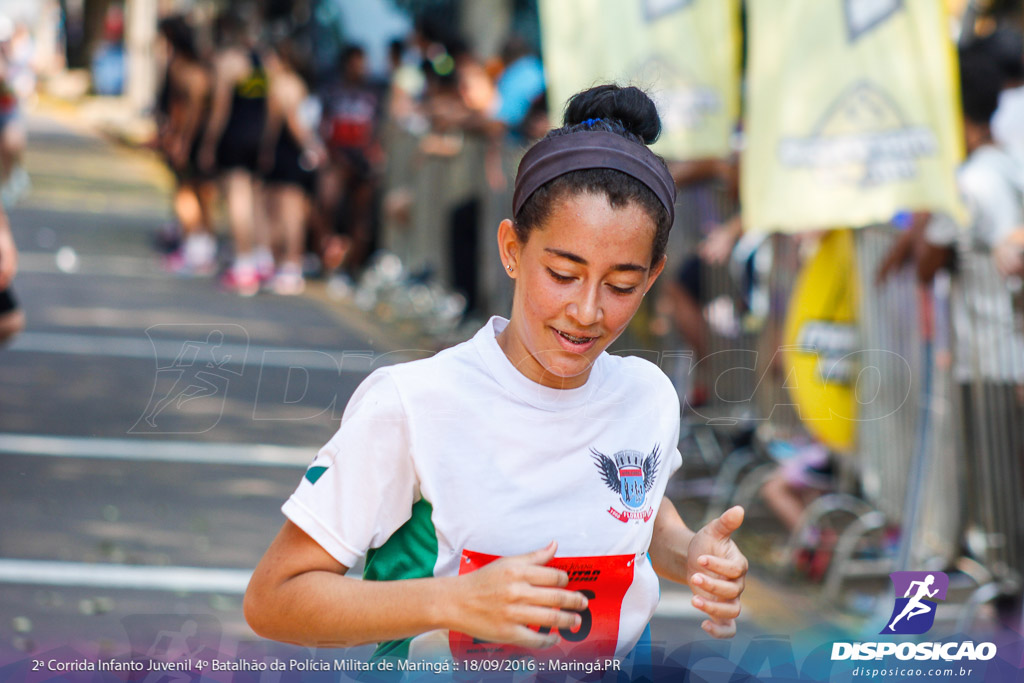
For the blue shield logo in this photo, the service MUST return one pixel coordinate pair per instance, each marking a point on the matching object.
(917, 594)
(631, 480)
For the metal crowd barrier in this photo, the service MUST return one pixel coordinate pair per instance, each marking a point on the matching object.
(938, 466)
(987, 322)
(442, 175)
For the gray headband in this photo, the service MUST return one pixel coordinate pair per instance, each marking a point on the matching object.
(552, 157)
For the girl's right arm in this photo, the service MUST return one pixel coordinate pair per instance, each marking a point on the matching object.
(299, 594)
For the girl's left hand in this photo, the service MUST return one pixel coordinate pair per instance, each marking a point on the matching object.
(715, 571)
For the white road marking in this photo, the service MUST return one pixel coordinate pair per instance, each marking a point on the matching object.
(94, 264)
(147, 450)
(123, 576)
(166, 351)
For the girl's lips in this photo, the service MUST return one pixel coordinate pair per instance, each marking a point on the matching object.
(567, 343)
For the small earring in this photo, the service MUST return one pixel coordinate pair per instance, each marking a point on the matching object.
(508, 266)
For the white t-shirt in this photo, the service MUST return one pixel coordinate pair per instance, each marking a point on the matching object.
(989, 343)
(1008, 122)
(442, 461)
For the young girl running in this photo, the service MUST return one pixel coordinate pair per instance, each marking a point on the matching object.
(508, 493)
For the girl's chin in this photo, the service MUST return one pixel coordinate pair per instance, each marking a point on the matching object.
(578, 370)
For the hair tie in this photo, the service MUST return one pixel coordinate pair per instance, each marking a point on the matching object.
(555, 156)
(590, 122)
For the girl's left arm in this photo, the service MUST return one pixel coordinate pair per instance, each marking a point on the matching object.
(708, 561)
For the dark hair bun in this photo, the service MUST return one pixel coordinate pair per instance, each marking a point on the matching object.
(629, 105)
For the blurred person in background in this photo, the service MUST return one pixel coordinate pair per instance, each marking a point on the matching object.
(290, 155)
(21, 60)
(14, 180)
(352, 110)
(231, 147)
(12, 319)
(518, 86)
(989, 359)
(1005, 46)
(1005, 49)
(683, 298)
(184, 108)
(405, 86)
(108, 60)
(461, 98)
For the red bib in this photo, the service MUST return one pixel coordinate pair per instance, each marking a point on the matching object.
(604, 580)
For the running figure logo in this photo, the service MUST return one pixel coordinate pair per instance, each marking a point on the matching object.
(194, 367)
(914, 613)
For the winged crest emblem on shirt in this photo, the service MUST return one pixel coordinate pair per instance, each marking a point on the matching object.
(630, 474)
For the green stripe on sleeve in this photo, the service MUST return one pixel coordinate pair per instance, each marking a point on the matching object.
(410, 553)
(314, 473)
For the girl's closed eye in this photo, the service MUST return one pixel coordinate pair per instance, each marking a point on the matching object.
(558, 277)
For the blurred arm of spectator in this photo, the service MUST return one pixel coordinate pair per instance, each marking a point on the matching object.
(1009, 254)
(717, 246)
(905, 248)
(226, 70)
(8, 253)
(313, 151)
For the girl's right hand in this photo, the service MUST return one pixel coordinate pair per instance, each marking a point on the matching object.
(499, 602)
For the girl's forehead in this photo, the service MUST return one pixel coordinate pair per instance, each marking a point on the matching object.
(588, 222)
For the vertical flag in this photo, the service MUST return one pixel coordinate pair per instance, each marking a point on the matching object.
(853, 113)
(684, 53)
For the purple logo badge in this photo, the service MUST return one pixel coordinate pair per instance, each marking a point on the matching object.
(917, 594)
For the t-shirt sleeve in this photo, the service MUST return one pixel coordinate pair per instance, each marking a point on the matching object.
(362, 484)
(673, 415)
(989, 184)
(997, 204)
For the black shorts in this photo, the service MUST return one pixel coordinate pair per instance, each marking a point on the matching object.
(7, 301)
(237, 152)
(288, 170)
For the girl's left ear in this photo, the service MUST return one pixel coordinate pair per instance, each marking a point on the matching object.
(655, 272)
(508, 245)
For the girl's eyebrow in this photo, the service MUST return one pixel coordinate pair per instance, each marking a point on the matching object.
(575, 258)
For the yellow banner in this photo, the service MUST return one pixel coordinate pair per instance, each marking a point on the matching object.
(684, 53)
(853, 113)
(820, 342)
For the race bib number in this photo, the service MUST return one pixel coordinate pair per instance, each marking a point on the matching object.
(604, 580)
